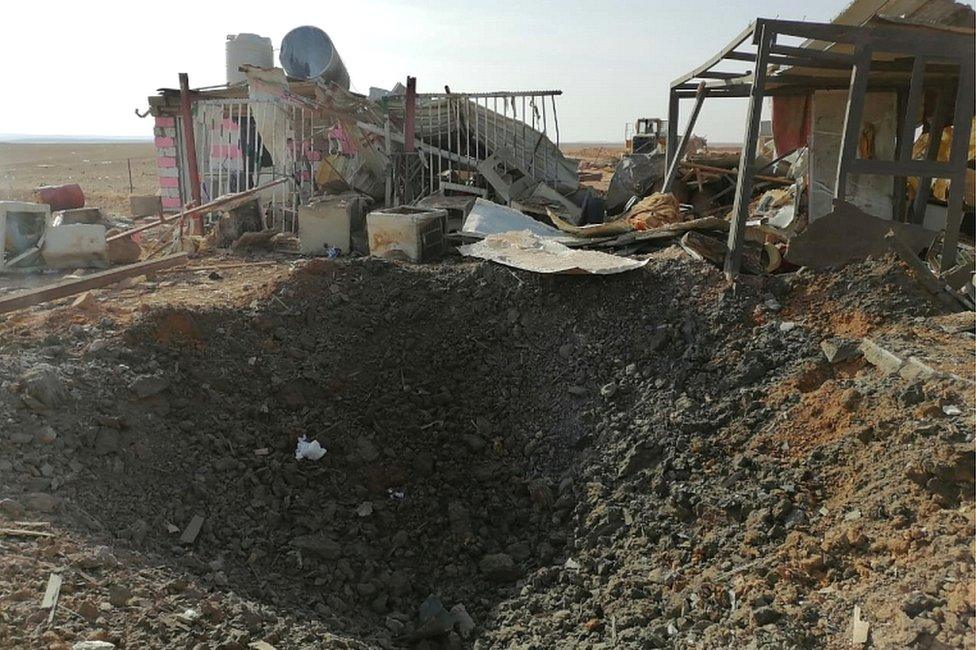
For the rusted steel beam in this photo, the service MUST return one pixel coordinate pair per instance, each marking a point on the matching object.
(186, 113)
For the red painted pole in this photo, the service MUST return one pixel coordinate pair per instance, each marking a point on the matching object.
(410, 107)
(191, 150)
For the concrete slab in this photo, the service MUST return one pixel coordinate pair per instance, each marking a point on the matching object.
(75, 245)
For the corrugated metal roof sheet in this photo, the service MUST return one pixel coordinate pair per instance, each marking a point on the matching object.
(932, 13)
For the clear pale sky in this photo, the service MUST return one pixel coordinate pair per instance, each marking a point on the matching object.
(81, 68)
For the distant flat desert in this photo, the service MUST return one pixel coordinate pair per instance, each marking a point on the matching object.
(102, 171)
(100, 168)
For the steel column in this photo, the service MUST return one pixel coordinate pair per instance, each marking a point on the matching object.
(747, 160)
(683, 145)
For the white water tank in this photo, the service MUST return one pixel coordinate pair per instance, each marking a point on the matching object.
(246, 49)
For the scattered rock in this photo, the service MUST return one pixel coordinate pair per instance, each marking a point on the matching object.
(766, 615)
(148, 385)
(42, 388)
(838, 349)
(11, 508)
(499, 567)
(462, 621)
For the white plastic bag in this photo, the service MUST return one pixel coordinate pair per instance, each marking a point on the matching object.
(310, 450)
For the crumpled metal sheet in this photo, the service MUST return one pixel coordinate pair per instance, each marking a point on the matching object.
(488, 218)
(529, 252)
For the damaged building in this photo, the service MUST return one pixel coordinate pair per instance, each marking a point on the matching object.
(394, 147)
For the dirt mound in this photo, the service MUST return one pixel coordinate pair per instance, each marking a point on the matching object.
(510, 460)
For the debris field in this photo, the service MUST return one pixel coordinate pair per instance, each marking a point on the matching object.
(511, 460)
(400, 369)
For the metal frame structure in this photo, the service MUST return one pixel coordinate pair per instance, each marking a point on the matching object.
(456, 131)
(905, 59)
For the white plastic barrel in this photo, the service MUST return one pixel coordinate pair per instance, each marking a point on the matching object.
(246, 49)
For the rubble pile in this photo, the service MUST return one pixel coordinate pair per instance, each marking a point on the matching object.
(511, 459)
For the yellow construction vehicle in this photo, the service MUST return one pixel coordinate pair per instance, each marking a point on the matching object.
(650, 135)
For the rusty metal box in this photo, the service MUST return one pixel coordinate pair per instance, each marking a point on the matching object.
(407, 233)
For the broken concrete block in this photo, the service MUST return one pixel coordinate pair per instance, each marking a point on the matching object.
(123, 250)
(78, 215)
(914, 368)
(328, 223)
(879, 357)
(838, 349)
(145, 206)
(76, 245)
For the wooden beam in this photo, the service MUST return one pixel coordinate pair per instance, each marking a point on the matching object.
(683, 145)
(221, 202)
(186, 116)
(65, 288)
(409, 110)
(961, 131)
(852, 119)
(707, 65)
(735, 172)
(747, 159)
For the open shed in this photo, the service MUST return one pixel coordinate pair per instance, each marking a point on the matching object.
(855, 91)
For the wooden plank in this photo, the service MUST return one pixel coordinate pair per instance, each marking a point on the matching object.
(852, 119)
(192, 530)
(67, 288)
(30, 252)
(53, 590)
(23, 532)
(683, 145)
(747, 160)
(226, 202)
(923, 274)
(733, 172)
